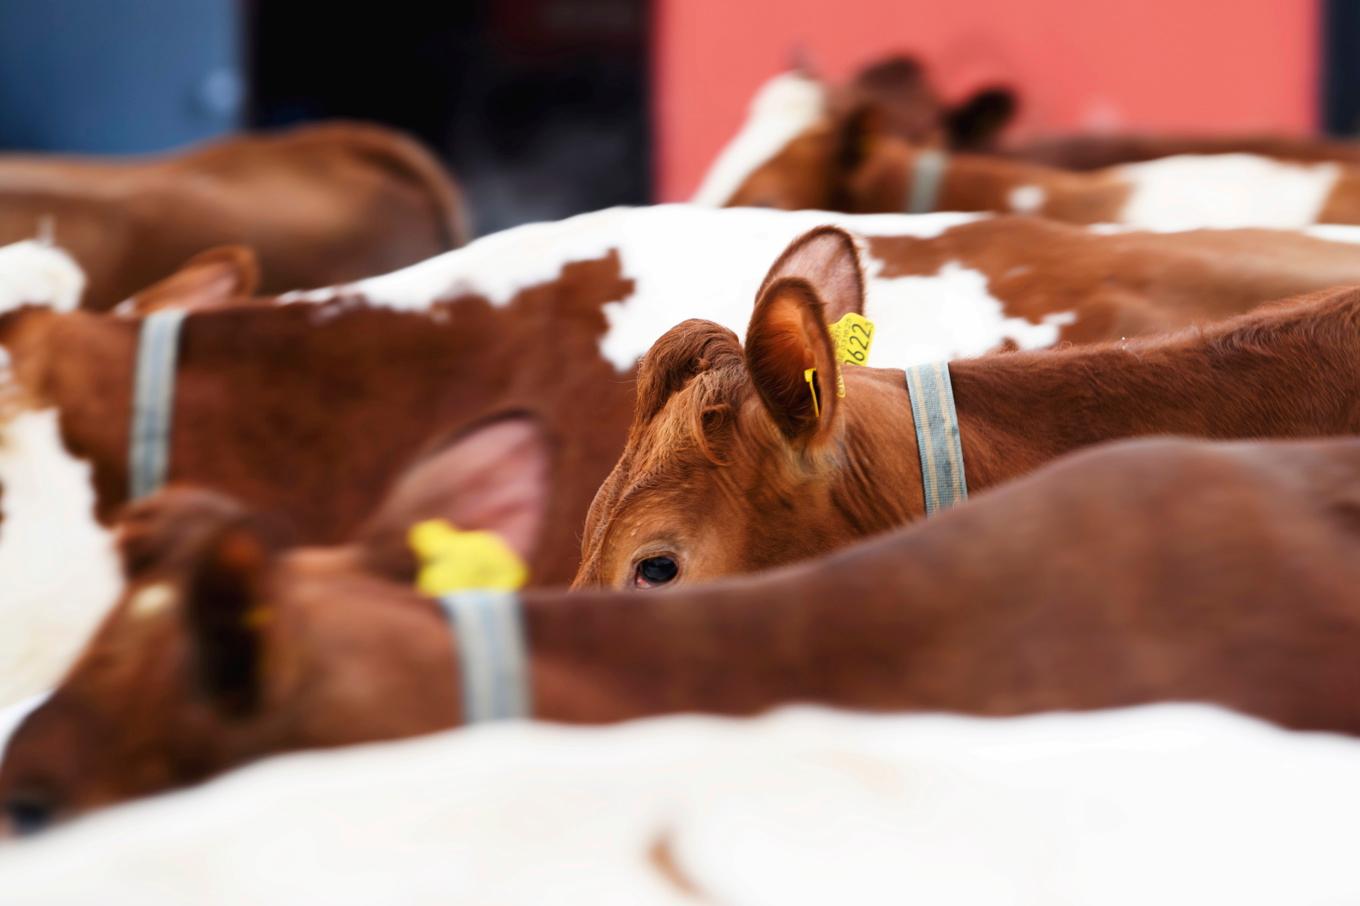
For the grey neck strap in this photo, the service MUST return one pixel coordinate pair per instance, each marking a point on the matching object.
(489, 634)
(153, 402)
(937, 435)
(923, 195)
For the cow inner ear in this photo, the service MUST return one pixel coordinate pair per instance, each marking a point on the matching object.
(791, 359)
(495, 476)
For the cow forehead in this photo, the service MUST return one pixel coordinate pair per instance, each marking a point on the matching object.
(58, 564)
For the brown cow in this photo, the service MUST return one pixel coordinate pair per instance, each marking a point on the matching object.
(1155, 570)
(731, 466)
(313, 407)
(321, 204)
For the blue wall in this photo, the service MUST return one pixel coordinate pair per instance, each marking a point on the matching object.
(107, 76)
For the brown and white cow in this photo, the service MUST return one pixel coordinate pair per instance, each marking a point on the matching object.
(312, 406)
(732, 466)
(1154, 570)
(1173, 193)
(807, 144)
(321, 204)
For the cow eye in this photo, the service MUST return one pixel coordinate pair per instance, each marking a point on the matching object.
(27, 814)
(655, 571)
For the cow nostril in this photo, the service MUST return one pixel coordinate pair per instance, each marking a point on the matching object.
(655, 571)
(28, 815)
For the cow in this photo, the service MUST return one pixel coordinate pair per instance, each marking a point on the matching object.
(321, 204)
(741, 458)
(807, 144)
(804, 806)
(312, 405)
(1153, 570)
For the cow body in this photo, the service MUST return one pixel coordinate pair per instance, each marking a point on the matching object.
(309, 406)
(1152, 571)
(320, 204)
(1174, 193)
(802, 807)
(859, 148)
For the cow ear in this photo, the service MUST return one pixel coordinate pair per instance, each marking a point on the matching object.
(789, 352)
(827, 258)
(977, 123)
(494, 476)
(210, 279)
(217, 557)
(227, 612)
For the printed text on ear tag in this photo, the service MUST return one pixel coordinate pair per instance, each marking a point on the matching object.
(852, 336)
(453, 561)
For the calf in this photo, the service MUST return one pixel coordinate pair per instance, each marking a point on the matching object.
(732, 465)
(321, 204)
(1154, 570)
(312, 405)
(807, 144)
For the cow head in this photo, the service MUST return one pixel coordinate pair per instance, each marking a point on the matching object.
(731, 465)
(226, 646)
(887, 110)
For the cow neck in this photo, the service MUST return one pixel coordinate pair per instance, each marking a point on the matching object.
(976, 183)
(736, 647)
(1290, 372)
(983, 183)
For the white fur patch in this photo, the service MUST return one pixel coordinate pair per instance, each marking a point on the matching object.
(949, 315)
(1225, 190)
(783, 109)
(1026, 199)
(1335, 232)
(13, 715)
(1165, 804)
(151, 600)
(685, 261)
(59, 572)
(35, 273)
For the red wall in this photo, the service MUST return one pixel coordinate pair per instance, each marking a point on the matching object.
(1138, 64)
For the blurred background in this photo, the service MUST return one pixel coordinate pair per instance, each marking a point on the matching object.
(546, 108)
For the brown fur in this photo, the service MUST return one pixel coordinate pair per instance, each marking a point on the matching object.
(1157, 570)
(313, 412)
(321, 204)
(769, 497)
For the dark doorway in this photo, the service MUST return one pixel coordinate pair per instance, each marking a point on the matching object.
(540, 106)
(1340, 75)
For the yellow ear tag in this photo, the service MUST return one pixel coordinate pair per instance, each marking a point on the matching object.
(852, 335)
(452, 560)
(810, 375)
